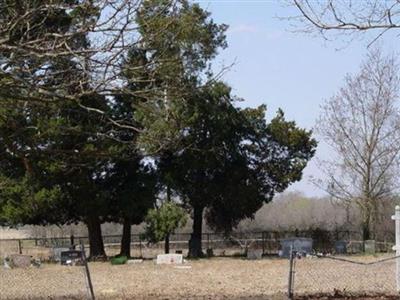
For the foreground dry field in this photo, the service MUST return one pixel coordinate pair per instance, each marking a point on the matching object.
(218, 278)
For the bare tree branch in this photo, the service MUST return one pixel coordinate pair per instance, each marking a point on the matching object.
(346, 17)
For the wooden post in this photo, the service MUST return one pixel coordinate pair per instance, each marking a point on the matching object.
(72, 240)
(396, 218)
(19, 247)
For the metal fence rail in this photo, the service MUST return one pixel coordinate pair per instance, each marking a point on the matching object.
(222, 245)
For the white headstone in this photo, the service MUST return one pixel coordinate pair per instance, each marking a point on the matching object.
(6, 264)
(134, 261)
(169, 259)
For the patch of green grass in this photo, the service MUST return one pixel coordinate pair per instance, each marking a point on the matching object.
(119, 260)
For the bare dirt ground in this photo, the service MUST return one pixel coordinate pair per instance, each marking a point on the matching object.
(218, 278)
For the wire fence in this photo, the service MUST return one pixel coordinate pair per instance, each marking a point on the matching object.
(311, 276)
(24, 278)
(235, 244)
(360, 277)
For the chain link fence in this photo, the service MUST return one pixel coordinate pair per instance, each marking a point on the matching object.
(360, 277)
(312, 276)
(35, 280)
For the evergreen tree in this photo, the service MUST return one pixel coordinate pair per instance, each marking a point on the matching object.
(232, 161)
(58, 142)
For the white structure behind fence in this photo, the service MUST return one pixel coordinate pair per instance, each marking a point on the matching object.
(396, 247)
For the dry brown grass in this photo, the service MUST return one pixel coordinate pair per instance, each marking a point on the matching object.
(218, 278)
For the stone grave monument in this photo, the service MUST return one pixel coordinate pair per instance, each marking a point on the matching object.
(20, 261)
(169, 259)
(254, 253)
(369, 247)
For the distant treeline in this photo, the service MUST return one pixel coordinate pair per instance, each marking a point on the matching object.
(288, 212)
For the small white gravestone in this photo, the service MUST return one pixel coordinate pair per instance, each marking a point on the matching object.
(169, 259)
(6, 264)
(134, 261)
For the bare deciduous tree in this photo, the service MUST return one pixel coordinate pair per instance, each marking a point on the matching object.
(94, 34)
(362, 124)
(348, 17)
(57, 50)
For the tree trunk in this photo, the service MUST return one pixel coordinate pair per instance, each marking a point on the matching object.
(166, 244)
(95, 238)
(366, 232)
(195, 248)
(374, 219)
(126, 239)
(366, 225)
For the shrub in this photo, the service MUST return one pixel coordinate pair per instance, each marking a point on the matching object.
(119, 260)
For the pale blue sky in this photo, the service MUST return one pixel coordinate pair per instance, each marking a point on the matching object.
(280, 68)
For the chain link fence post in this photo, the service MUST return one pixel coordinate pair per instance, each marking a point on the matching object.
(291, 274)
(89, 280)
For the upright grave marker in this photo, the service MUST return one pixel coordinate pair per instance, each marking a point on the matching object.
(169, 259)
(20, 261)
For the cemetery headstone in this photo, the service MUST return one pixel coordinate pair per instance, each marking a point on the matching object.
(341, 247)
(169, 259)
(254, 254)
(7, 263)
(20, 261)
(56, 255)
(134, 261)
(300, 245)
(369, 247)
(71, 257)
